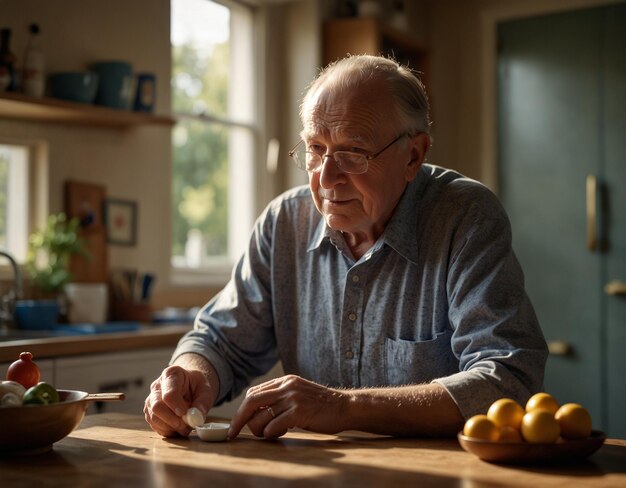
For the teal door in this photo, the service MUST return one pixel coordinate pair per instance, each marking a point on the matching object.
(562, 162)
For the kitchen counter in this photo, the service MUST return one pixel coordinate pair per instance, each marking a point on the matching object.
(50, 346)
(118, 450)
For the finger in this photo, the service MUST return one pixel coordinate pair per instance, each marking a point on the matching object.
(262, 418)
(160, 427)
(270, 384)
(159, 414)
(250, 407)
(173, 388)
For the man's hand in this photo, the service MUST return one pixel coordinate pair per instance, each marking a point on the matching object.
(172, 394)
(272, 408)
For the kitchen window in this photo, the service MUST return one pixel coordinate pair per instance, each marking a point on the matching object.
(214, 137)
(14, 200)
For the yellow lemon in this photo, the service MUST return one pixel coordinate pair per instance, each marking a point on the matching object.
(544, 401)
(480, 427)
(506, 412)
(574, 421)
(540, 427)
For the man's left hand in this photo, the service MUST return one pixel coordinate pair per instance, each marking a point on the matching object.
(272, 408)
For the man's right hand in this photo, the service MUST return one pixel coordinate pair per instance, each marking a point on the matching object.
(172, 394)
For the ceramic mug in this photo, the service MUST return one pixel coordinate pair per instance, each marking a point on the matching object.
(88, 302)
(115, 83)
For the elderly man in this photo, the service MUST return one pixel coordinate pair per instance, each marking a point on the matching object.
(387, 287)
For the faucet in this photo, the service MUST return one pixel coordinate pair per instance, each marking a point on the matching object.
(7, 301)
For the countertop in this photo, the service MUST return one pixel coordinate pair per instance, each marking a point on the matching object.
(118, 450)
(42, 346)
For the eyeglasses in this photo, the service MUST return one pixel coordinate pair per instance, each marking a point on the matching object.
(349, 162)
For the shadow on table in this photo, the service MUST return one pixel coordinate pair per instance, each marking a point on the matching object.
(609, 459)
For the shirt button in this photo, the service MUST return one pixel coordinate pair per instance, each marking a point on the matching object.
(355, 279)
(352, 317)
(349, 355)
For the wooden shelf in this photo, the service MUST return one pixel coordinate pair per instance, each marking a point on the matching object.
(15, 106)
(370, 36)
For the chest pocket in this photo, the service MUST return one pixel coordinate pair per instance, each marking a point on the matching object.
(410, 362)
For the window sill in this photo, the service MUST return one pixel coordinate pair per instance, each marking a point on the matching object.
(216, 275)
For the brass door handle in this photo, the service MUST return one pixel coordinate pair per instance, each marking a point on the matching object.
(560, 348)
(615, 287)
(592, 190)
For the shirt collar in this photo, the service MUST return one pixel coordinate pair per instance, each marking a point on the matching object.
(401, 231)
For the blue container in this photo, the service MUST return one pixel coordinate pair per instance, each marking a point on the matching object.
(115, 83)
(146, 92)
(36, 314)
(75, 86)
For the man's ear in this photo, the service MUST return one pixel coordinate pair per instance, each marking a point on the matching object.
(419, 145)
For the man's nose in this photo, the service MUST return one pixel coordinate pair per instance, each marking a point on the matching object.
(330, 172)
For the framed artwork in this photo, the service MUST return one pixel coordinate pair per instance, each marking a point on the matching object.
(121, 221)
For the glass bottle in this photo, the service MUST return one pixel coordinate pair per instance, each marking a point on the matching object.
(33, 82)
(7, 62)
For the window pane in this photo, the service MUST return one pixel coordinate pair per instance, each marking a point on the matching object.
(200, 57)
(213, 142)
(200, 192)
(14, 200)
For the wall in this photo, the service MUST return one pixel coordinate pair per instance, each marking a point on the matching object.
(132, 164)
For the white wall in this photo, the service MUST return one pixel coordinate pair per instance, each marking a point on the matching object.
(132, 164)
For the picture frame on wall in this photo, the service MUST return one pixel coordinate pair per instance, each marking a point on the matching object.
(121, 221)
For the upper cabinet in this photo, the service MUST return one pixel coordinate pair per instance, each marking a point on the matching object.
(15, 106)
(370, 36)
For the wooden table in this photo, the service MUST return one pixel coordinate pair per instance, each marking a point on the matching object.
(117, 450)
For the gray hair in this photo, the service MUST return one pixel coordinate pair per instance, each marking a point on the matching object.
(405, 86)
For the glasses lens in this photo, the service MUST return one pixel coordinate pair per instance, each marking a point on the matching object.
(306, 160)
(350, 162)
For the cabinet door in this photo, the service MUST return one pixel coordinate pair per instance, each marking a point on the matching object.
(128, 372)
(549, 122)
(614, 76)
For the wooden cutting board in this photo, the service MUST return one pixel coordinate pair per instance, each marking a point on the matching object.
(86, 202)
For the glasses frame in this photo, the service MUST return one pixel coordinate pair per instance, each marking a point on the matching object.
(368, 157)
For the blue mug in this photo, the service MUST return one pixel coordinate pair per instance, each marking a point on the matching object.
(115, 83)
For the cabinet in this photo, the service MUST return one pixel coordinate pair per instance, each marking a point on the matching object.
(562, 179)
(370, 36)
(128, 372)
(15, 106)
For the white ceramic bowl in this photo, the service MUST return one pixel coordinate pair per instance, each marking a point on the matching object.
(213, 431)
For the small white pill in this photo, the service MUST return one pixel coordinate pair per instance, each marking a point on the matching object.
(193, 417)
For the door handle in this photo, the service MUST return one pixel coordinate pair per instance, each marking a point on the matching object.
(560, 348)
(615, 288)
(592, 190)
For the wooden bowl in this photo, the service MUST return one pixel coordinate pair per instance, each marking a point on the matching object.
(30, 429)
(528, 453)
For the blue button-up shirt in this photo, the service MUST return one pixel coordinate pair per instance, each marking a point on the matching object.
(439, 297)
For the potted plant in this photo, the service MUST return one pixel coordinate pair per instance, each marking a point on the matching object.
(49, 252)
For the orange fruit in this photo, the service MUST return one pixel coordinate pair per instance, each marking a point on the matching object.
(509, 434)
(480, 427)
(574, 421)
(542, 400)
(506, 412)
(540, 427)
